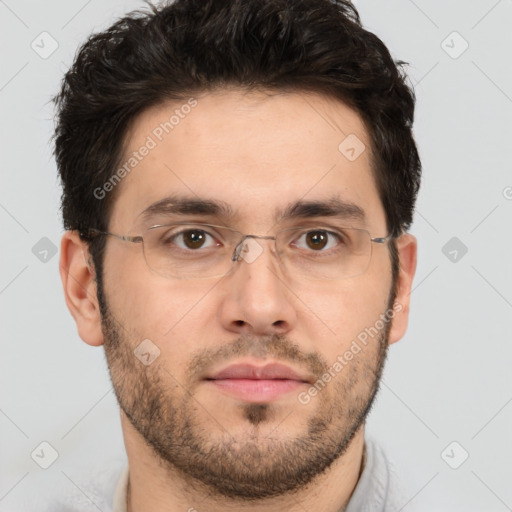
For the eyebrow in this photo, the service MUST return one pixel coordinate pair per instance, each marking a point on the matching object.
(184, 205)
(332, 207)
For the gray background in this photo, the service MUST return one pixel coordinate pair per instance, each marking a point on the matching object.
(448, 380)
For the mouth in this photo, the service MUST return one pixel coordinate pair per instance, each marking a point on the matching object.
(258, 384)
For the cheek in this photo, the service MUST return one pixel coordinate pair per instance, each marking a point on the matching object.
(338, 314)
(167, 312)
(126, 285)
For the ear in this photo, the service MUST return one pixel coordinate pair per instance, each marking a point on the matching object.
(407, 247)
(78, 280)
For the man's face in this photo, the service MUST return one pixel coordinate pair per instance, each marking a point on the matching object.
(255, 153)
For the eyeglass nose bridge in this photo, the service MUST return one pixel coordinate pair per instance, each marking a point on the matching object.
(237, 253)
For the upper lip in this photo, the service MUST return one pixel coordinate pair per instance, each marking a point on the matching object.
(267, 372)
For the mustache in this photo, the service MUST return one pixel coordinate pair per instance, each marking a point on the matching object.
(275, 346)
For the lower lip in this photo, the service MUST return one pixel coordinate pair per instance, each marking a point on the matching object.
(257, 390)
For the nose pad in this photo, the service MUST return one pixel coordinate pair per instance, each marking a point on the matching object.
(248, 249)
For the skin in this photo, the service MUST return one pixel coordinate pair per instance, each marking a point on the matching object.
(256, 152)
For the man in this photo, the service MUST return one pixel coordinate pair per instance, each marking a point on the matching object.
(238, 181)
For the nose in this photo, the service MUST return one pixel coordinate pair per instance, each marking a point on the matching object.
(256, 298)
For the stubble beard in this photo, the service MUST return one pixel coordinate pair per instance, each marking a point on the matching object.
(189, 441)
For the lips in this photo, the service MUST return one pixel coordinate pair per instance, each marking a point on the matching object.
(273, 371)
(257, 384)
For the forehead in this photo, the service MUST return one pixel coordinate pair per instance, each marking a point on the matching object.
(257, 153)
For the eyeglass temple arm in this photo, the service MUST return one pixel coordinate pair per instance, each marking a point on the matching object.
(381, 240)
(91, 232)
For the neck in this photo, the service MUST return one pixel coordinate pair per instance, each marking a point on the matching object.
(153, 486)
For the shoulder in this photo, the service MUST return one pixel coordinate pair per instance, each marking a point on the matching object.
(92, 489)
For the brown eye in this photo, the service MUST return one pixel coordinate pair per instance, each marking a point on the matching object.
(317, 239)
(193, 239)
(320, 241)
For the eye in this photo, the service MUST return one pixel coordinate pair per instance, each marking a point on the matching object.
(318, 240)
(190, 239)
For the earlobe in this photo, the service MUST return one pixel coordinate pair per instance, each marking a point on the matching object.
(407, 247)
(78, 281)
